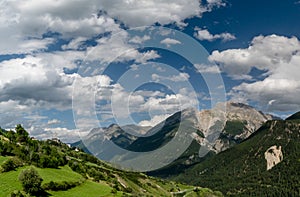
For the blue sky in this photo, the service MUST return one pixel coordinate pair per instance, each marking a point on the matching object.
(66, 67)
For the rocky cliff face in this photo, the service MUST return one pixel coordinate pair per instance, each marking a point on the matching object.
(273, 156)
(252, 118)
(237, 122)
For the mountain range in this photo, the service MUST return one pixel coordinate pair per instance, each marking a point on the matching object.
(254, 154)
(210, 132)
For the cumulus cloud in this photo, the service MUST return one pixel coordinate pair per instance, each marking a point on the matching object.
(30, 80)
(175, 78)
(38, 79)
(154, 121)
(279, 58)
(169, 41)
(23, 23)
(116, 48)
(204, 34)
(202, 68)
(151, 11)
(64, 134)
(265, 53)
(53, 122)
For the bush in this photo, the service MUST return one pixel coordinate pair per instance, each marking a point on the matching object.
(55, 186)
(31, 181)
(128, 190)
(77, 167)
(8, 165)
(18, 193)
(11, 164)
(114, 191)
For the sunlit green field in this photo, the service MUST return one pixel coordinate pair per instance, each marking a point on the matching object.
(9, 180)
(2, 159)
(87, 189)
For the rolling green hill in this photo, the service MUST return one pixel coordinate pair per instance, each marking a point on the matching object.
(67, 172)
(242, 169)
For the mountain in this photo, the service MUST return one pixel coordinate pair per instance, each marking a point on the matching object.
(265, 164)
(101, 137)
(165, 131)
(66, 171)
(211, 131)
(241, 121)
(229, 127)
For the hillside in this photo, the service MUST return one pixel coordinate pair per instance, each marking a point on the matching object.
(266, 164)
(66, 171)
(295, 116)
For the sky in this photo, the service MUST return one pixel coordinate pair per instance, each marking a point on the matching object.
(67, 66)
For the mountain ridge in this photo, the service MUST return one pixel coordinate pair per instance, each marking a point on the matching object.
(246, 169)
(223, 129)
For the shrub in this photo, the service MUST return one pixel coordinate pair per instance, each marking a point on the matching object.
(55, 186)
(18, 193)
(31, 181)
(114, 191)
(8, 165)
(11, 164)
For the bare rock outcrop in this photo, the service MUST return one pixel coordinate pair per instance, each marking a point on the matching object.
(273, 156)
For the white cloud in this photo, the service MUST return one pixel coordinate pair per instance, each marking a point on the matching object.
(168, 42)
(139, 40)
(37, 81)
(136, 13)
(23, 23)
(204, 34)
(215, 3)
(64, 134)
(74, 44)
(30, 80)
(53, 122)
(279, 57)
(28, 46)
(202, 68)
(265, 53)
(272, 94)
(115, 48)
(154, 121)
(175, 78)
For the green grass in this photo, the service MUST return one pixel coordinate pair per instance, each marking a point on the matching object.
(87, 189)
(3, 159)
(58, 175)
(9, 182)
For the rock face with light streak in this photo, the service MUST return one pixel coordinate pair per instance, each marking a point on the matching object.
(273, 156)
